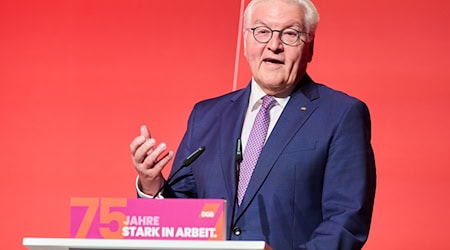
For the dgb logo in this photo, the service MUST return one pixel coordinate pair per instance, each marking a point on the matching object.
(207, 214)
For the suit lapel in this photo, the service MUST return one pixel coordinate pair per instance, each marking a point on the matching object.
(296, 112)
(231, 120)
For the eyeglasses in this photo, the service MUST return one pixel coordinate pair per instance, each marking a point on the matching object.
(288, 36)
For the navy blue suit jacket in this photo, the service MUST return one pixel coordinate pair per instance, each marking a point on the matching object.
(314, 184)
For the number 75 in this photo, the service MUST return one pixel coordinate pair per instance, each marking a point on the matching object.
(106, 217)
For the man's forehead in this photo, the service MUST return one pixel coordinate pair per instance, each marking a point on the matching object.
(278, 13)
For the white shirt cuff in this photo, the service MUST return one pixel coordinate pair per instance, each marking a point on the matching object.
(143, 195)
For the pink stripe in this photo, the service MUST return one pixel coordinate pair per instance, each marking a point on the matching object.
(238, 46)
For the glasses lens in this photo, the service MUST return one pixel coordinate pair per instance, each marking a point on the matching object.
(262, 34)
(290, 36)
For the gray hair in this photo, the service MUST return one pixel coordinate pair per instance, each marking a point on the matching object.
(310, 21)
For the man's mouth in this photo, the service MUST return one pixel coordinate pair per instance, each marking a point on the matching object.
(271, 60)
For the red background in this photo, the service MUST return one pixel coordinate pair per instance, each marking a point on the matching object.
(78, 78)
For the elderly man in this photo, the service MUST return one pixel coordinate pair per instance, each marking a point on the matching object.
(307, 176)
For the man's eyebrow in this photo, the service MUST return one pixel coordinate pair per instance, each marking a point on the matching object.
(257, 22)
(294, 24)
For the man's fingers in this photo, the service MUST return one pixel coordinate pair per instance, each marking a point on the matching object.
(144, 151)
(152, 159)
(145, 132)
(159, 164)
(165, 159)
(148, 158)
(136, 143)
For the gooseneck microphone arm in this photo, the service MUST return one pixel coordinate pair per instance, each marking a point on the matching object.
(238, 160)
(188, 161)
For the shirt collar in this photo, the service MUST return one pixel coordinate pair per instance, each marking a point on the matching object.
(257, 93)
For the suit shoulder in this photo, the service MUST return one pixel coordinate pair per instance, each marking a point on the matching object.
(337, 97)
(219, 100)
(338, 103)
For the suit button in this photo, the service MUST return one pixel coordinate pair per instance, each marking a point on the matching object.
(237, 231)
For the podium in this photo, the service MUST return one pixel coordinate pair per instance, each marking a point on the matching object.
(120, 244)
(134, 224)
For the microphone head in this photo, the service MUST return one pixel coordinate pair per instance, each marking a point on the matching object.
(239, 156)
(192, 157)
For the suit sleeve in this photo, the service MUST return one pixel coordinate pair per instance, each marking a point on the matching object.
(349, 184)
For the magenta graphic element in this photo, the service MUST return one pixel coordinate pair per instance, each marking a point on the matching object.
(171, 219)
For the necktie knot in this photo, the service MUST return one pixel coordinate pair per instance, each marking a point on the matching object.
(268, 102)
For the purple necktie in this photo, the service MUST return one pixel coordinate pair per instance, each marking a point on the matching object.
(255, 144)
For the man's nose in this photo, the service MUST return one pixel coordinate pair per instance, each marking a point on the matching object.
(275, 43)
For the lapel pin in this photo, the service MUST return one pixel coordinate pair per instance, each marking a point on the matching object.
(303, 108)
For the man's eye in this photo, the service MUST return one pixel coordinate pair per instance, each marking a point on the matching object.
(262, 32)
(290, 33)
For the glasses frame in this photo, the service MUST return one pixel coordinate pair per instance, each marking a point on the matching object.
(280, 32)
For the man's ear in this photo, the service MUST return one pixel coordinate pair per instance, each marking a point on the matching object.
(311, 50)
(245, 42)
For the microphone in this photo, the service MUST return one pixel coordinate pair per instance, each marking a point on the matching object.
(239, 156)
(191, 158)
(188, 161)
(238, 159)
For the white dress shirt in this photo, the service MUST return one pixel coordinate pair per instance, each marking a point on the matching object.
(254, 105)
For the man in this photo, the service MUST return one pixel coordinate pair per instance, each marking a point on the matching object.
(313, 185)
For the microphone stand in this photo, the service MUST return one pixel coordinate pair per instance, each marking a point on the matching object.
(188, 161)
(238, 159)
